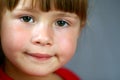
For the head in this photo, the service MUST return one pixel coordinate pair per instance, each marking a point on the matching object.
(43, 33)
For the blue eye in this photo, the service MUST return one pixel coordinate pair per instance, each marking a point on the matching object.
(62, 23)
(27, 19)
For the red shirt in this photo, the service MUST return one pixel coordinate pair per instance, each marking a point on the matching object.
(67, 74)
(62, 72)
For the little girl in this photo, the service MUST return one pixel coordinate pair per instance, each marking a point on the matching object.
(38, 37)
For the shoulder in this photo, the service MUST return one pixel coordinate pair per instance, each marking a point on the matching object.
(66, 74)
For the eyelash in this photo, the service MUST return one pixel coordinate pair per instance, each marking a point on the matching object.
(27, 19)
(62, 23)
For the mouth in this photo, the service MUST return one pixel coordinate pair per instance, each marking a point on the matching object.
(39, 56)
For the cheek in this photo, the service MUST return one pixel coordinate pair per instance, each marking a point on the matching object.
(67, 47)
(18, 40)
(13, 37)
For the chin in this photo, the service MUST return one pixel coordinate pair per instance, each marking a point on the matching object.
(39, 72)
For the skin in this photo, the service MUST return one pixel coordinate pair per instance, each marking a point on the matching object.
(37, 43)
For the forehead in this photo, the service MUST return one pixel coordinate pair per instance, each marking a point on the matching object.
(34, 6)
(72, 6)
(26, 4)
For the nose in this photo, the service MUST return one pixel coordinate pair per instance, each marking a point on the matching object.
(42, 36)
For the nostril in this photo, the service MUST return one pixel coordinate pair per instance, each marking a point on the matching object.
(48, 44)
(37, 42)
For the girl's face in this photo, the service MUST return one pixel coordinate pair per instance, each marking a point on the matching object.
(36, 42)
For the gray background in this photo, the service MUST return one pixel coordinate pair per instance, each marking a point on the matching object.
(98, 53)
